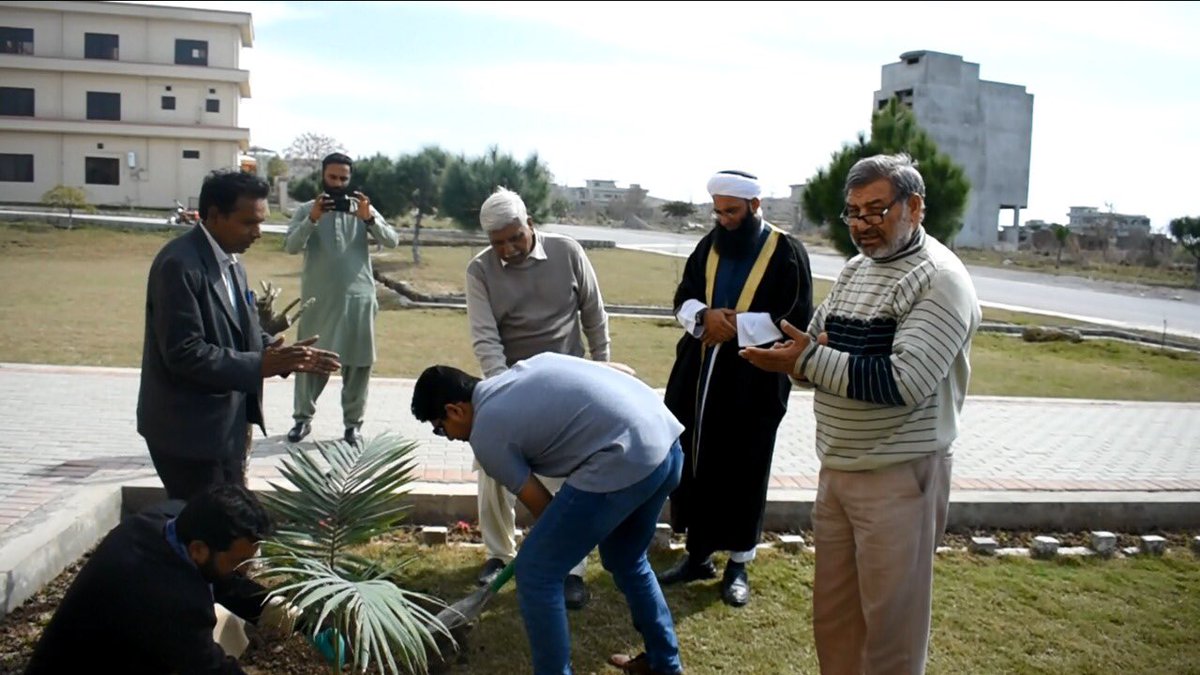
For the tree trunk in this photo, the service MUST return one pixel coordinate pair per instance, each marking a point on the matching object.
(417, 238)
(70, 218)
(1058, 260)
(1197, 283)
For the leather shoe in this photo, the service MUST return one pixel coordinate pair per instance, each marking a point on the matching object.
(490, 569)
(576, 592)
(735, 585)
(298, 432)
(640, 665)
(686, 570)
(353, 437)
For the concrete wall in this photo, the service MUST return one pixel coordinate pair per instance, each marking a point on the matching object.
(61, 35)
(986, 127)
(47, 28)
(161, 176)
(141, 98)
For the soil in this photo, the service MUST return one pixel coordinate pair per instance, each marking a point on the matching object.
(19, 631)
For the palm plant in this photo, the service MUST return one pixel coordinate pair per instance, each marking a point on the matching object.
(341, 497)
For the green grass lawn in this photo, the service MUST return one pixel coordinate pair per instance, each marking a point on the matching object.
(990, 616)
(77, 298)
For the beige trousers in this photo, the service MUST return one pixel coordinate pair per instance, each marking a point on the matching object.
(876, 533)
(498, 518)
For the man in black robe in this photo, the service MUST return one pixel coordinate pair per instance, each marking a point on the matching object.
(743, 278)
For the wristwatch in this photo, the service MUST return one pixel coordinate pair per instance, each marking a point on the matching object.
(700, 316)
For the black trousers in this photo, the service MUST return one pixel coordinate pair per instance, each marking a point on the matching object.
(186, 478)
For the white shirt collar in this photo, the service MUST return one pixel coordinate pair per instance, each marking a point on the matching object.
(223, 259)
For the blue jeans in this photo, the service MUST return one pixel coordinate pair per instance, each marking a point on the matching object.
(622, 524)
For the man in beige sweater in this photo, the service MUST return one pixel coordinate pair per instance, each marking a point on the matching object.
(530, 292)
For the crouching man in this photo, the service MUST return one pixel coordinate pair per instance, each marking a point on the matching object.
(616, 444)
(143, 602)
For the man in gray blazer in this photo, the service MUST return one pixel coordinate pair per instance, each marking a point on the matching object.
(205, 355)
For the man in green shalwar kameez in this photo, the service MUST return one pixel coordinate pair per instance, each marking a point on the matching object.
(332, 232)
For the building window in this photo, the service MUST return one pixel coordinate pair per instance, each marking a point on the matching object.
(99, 146)
(213, 105)
(101, 46)
(912, 60)
(168, 87)
(16, 168)
(212, 91)
(191, 52)
(103, 105)
(101, 171)
(16, 40)
(16, 101)
(191, 154)
(168, 103)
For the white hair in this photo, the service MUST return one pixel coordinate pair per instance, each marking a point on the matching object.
(502, 209)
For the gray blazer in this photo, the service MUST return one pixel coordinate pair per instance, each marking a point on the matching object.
(202, 357)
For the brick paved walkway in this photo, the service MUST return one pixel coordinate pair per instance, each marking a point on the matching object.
(64, 427)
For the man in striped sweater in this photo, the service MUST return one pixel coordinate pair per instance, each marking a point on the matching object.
(888, 354)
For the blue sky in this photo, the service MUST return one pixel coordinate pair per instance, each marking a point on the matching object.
(664, 94)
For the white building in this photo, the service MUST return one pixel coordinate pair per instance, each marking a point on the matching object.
(133, 103)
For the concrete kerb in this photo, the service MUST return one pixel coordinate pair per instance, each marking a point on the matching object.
(33, 559)
(791, 510)
(1133, 512)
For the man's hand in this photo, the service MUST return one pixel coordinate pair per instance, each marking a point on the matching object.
(534, 496)
(278, 619)
(781, 357)
(321, 204)
(271, 322)
(720, 325)
(364, 206)
(300, 356)
(620, 367)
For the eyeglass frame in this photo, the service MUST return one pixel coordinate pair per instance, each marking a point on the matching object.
(439, 428)
(873, 219)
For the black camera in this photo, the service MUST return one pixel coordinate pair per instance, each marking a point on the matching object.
(340, 200)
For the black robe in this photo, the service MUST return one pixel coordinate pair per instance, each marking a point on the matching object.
(722, 495)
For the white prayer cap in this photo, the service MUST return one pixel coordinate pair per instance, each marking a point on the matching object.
(501, 209)
(734, 184)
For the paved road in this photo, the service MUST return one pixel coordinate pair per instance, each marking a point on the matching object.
(1123, 305)
(130, 219)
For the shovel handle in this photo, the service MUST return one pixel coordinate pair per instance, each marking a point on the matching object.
(503, 577)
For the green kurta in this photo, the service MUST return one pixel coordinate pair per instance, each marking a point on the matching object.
(337, 272)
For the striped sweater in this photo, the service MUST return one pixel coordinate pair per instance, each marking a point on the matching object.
(890, 382)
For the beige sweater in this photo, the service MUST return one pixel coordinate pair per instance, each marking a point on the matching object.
(546, 303)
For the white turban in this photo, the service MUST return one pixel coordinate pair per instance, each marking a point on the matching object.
(501, 210)
(731, 184)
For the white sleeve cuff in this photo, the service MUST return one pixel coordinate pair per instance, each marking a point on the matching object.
(756, 328)
(687, 317)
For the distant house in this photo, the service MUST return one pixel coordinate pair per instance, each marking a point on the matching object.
(597, 195)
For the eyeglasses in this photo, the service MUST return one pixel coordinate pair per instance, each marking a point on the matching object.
(871, 218)
(439, 428)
